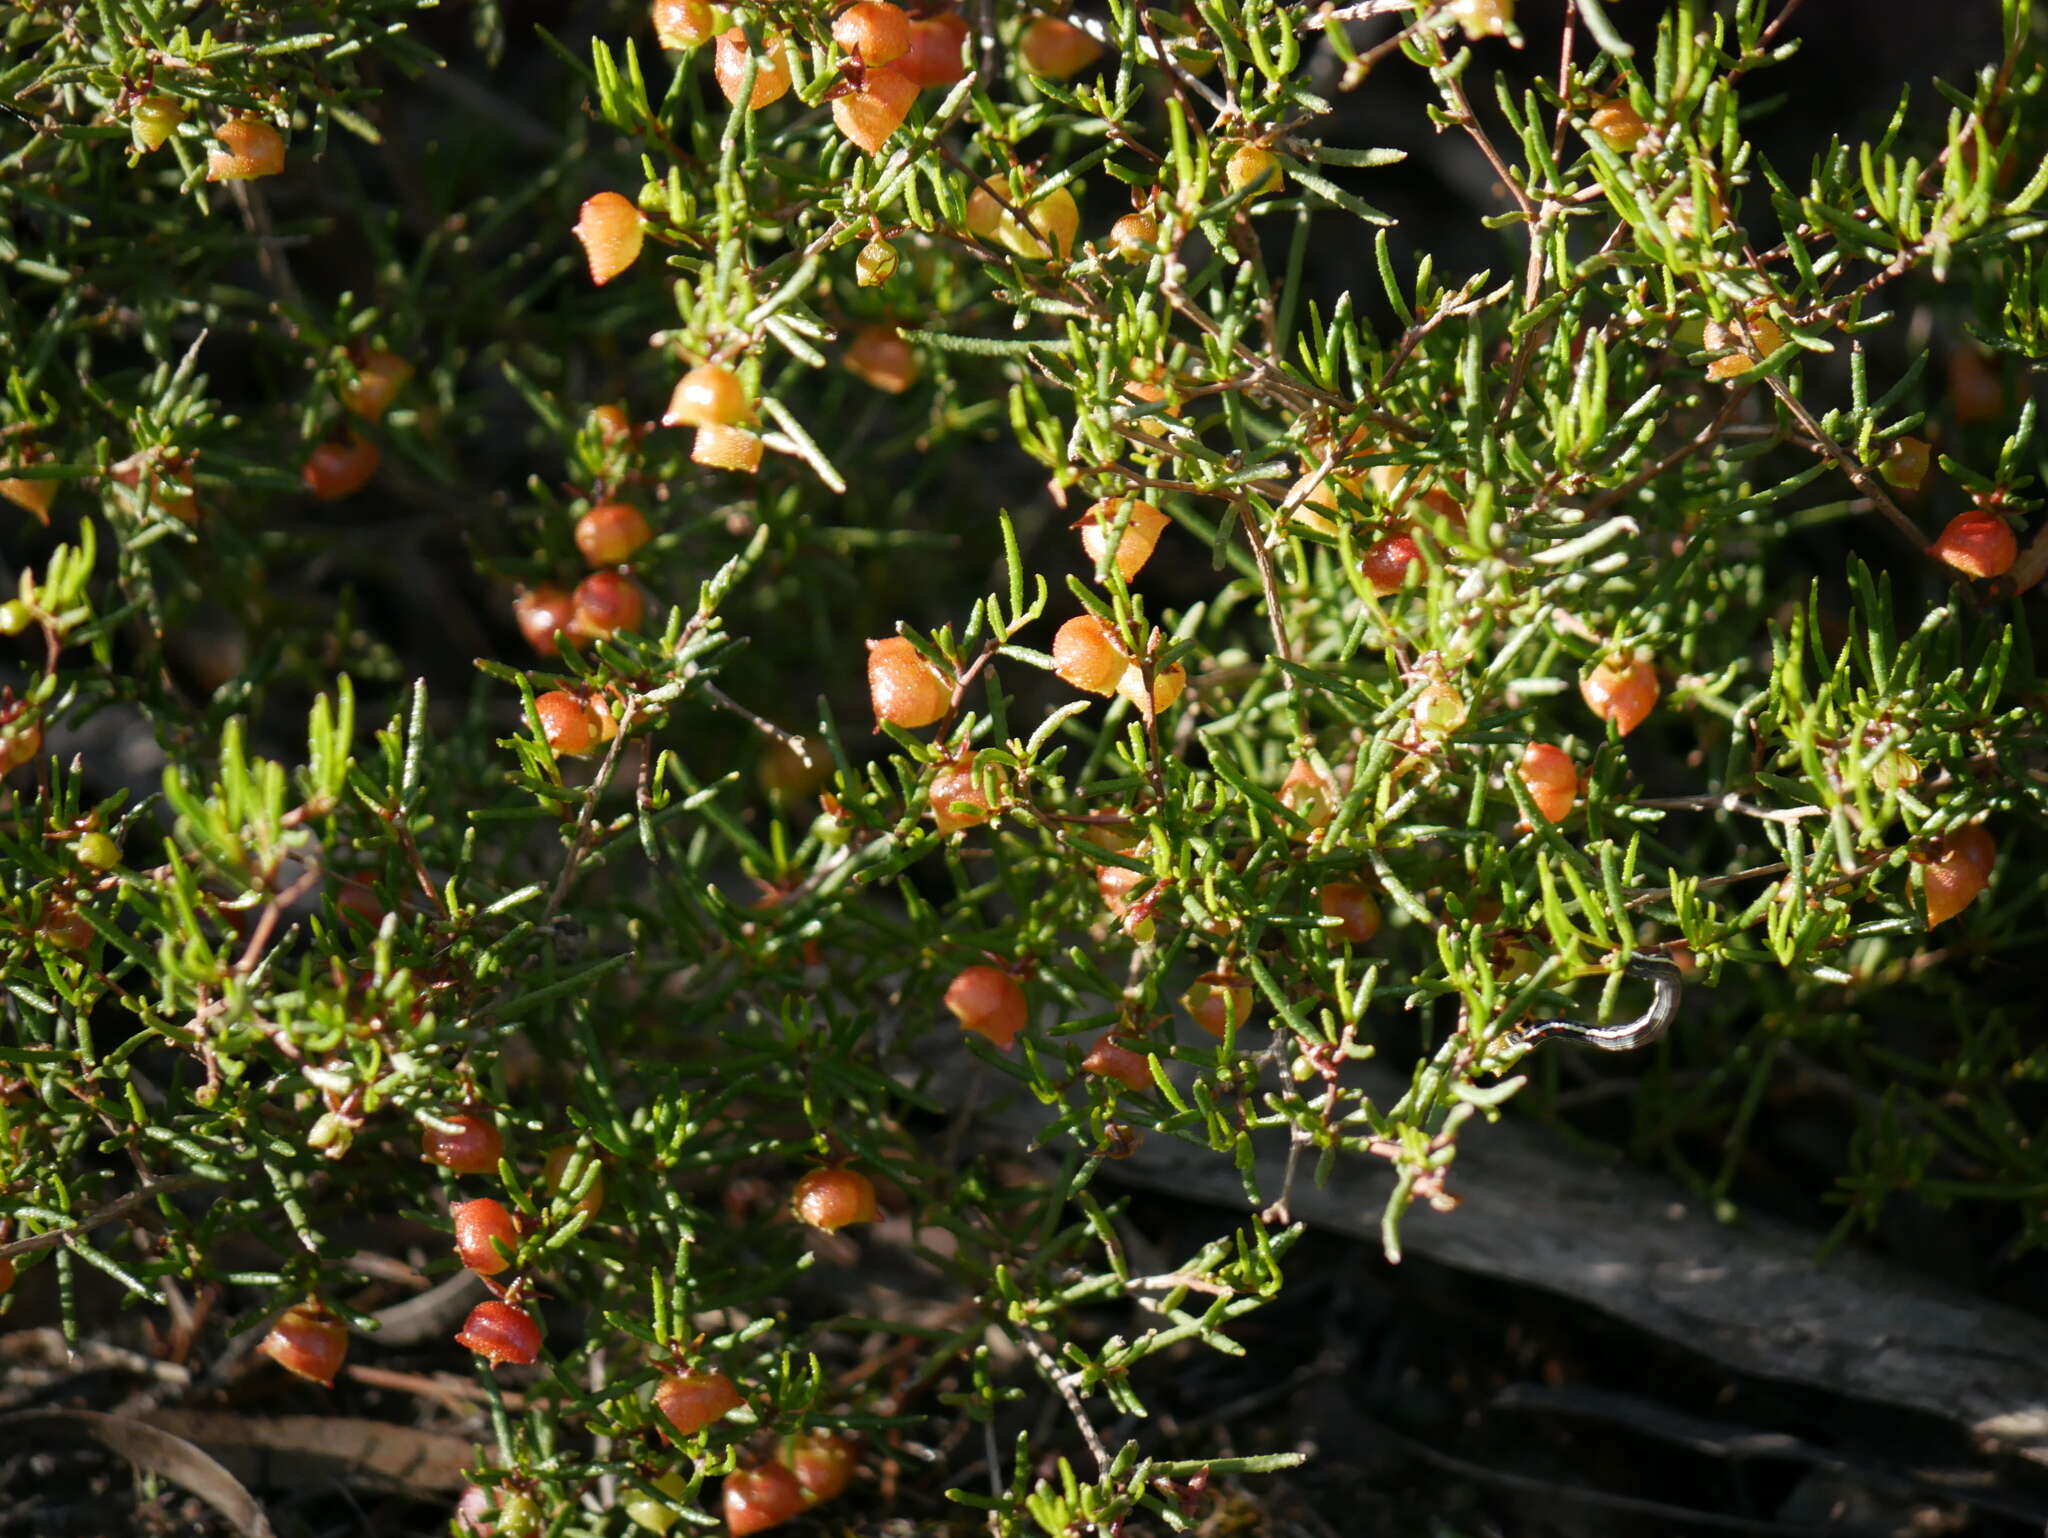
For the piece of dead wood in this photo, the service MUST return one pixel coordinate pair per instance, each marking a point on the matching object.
(294, 1451)
(1749, 1295)
(159, 1450)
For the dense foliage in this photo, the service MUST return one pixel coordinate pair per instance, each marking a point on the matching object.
(1297, 649)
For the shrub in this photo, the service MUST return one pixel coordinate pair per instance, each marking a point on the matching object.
(294, 892)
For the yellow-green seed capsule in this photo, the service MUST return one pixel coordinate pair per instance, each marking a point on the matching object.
(152, 120)
(97, 851)
(875, 264)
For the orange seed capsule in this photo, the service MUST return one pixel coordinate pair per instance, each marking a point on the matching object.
(608, 226)
(1355, 909)
(823, 1464)
(605, 603)
(1482, 18)
(879, 356)
(710, 395)
(989, 1002)
(1622, 691)
(1974, 389)
(540, 613)
(308, 1341)
(1253, 166)
(1217, 1001)
(957, 802)
(759, 1498)
(379, 376)
(610, 532)
(690, 1401)
(1959, 869)
(904, 687)
(340, 468)
(253, 149)
(1552, 780)
(1168, 684)
(832, 1198)
(1308, 794)
(1133, 236)
(1140, 535)
(1056, 49)
(936, 54)
(726, 448)
(874, 32)
(680, 24)
(1085, 654)
(868, 117)
(1617, 121)
(1112, 1060)
(1977, 544)
(771, 71)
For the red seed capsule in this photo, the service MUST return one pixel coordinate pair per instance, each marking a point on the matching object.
(681, 24)
(1111, 1060)
(470, 1146)
(308, 1341)
(1386, 564)
(1958, 869)
(340, 467)
(481, 1227)
(1140, 536)
(989, 1002)
(604, 604)
(568, 724)
(6, 1275)
(760, 1498)
(611, 532)
(501, 1332)
(771, 74)
(1085, 654)
(956, 801)
(1552, 780)
(1621, 690)
(832, 1198)
(903, 686)
(1057, 49)
(710, 395)
(379, 376)
(1354, 908)
(609, 229)
(823, 1464)
(935, 56)
(541, 612)
(1217, 1000)
(879, 356)
(693, 1400)
(1974, 390)
(874, 32)
(868, 116)
(1977, 544)
(253, 149)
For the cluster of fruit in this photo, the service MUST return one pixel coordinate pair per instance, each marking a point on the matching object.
(814, 1466)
